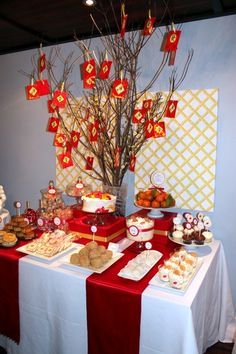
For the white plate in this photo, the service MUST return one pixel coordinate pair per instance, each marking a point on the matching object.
(166, 285)
(65, 261)
(23, 249)
(145, 267)
(189, 245)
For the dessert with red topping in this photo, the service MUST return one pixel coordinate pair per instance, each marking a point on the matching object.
(99, 202)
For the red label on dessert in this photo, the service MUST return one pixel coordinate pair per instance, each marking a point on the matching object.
(133, 230)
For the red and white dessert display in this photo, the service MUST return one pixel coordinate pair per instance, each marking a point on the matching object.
(139, 228)
(99, 202)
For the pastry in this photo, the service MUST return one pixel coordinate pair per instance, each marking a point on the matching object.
(208, 236)
(9, 239)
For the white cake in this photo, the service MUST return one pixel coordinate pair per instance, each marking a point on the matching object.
(98, 202)
(139, 228)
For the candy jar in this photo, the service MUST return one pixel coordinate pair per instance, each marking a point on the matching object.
(77, 190)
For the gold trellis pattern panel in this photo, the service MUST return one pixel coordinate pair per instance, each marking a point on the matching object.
(187, 155)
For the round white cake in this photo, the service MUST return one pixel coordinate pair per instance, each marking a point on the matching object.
(139, 228)
(98, 202)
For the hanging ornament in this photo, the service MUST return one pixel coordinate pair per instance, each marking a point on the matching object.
(32, 92)
(93, 128)
(124, 18)
(139, 115)
(159, 130)
(51, 106)
(59, 140)
(171, 109)
(89, 83)
(89, 163)
(59, 97)
(43, 87)
(105, 69)
(68, 147)
(53, 124)
(119, 88)
(65, 160)
(147, 104)
(149, 128)
(117, 157)
(132, 163)
(42, 60)
(74, 138)
(89, 73)
(149, 24)
(171, 40)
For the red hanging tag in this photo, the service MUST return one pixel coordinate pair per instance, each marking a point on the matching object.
(148, 26)
(132, 163)
(170, 41)
(171, 109)
(149, 128)
(53, 124)
(119, 88)
(89, 163)
(171, 60)
(89, 69)
(93, 128)
(105, 69)
(59, 99)
(68, 147)
(89, 83)
(124, 18)
(74, 138)
(32, 92)
(117, 157)
(51, 107)
(43, 87)
(147, 104)
(59, 140)
(139, 115)
(42, 62)
(65, 160)
(159, 130)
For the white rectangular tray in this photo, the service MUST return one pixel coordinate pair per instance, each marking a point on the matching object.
(137, 278)
(65, 261)
(23, 249)
(155, 281)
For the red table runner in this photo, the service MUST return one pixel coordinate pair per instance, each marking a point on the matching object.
(114, 305)
(9, 292)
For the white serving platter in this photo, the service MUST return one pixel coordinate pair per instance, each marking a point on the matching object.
(146, 267)
(189, 245)
(65, 261)
(156, 281)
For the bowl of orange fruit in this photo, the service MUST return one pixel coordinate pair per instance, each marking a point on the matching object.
(154, 198)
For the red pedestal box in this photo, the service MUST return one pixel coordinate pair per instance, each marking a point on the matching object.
(114, 227)
(161, 225)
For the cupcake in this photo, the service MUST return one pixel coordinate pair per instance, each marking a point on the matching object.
(177, 235)
(193, 257)
(187, 239)
(199, 238)
(176, 279)
(208, 236)
(164, 271)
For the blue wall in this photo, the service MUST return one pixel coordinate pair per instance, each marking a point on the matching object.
(27, 159)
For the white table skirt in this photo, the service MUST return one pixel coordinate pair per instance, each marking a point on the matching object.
(53, 310)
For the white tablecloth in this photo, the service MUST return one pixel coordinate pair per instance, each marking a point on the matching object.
(53, 310)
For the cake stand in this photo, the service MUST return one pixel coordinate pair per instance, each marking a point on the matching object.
(99, 219)
(154, 213)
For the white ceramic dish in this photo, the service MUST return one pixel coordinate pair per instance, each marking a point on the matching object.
(145, 266)
(65, 261)
(190, 245)
(155, 281)
(23, 249)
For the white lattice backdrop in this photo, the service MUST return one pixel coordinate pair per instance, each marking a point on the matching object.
(187, 155)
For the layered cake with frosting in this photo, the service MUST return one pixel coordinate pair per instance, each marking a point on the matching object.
(139, 228)
(99, 202)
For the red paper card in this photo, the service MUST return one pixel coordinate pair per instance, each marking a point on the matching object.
(65, 160)
(74, 138)
(171, 109)
(43, 87)
(117, 157)
(159, 130)
(42, 62)
(51, 107)
(123, 25)
(171, 40)
(89, 163)
(89, 69)
(59, 99)
(148, 26)
(93, 128)
(68, 147)
(119, 88)
(149, 128)
(147, 104)
(59, 140)
(53, 124)
(32, 92)
(132, 163)
(139, 115)
(105, 69)
(89, 82)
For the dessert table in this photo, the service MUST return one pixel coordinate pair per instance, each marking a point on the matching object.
(53, 315)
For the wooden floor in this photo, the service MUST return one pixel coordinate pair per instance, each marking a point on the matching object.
(218, 348)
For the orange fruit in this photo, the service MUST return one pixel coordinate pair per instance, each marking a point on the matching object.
(140, 202)
(146, 203)
(155, 204)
